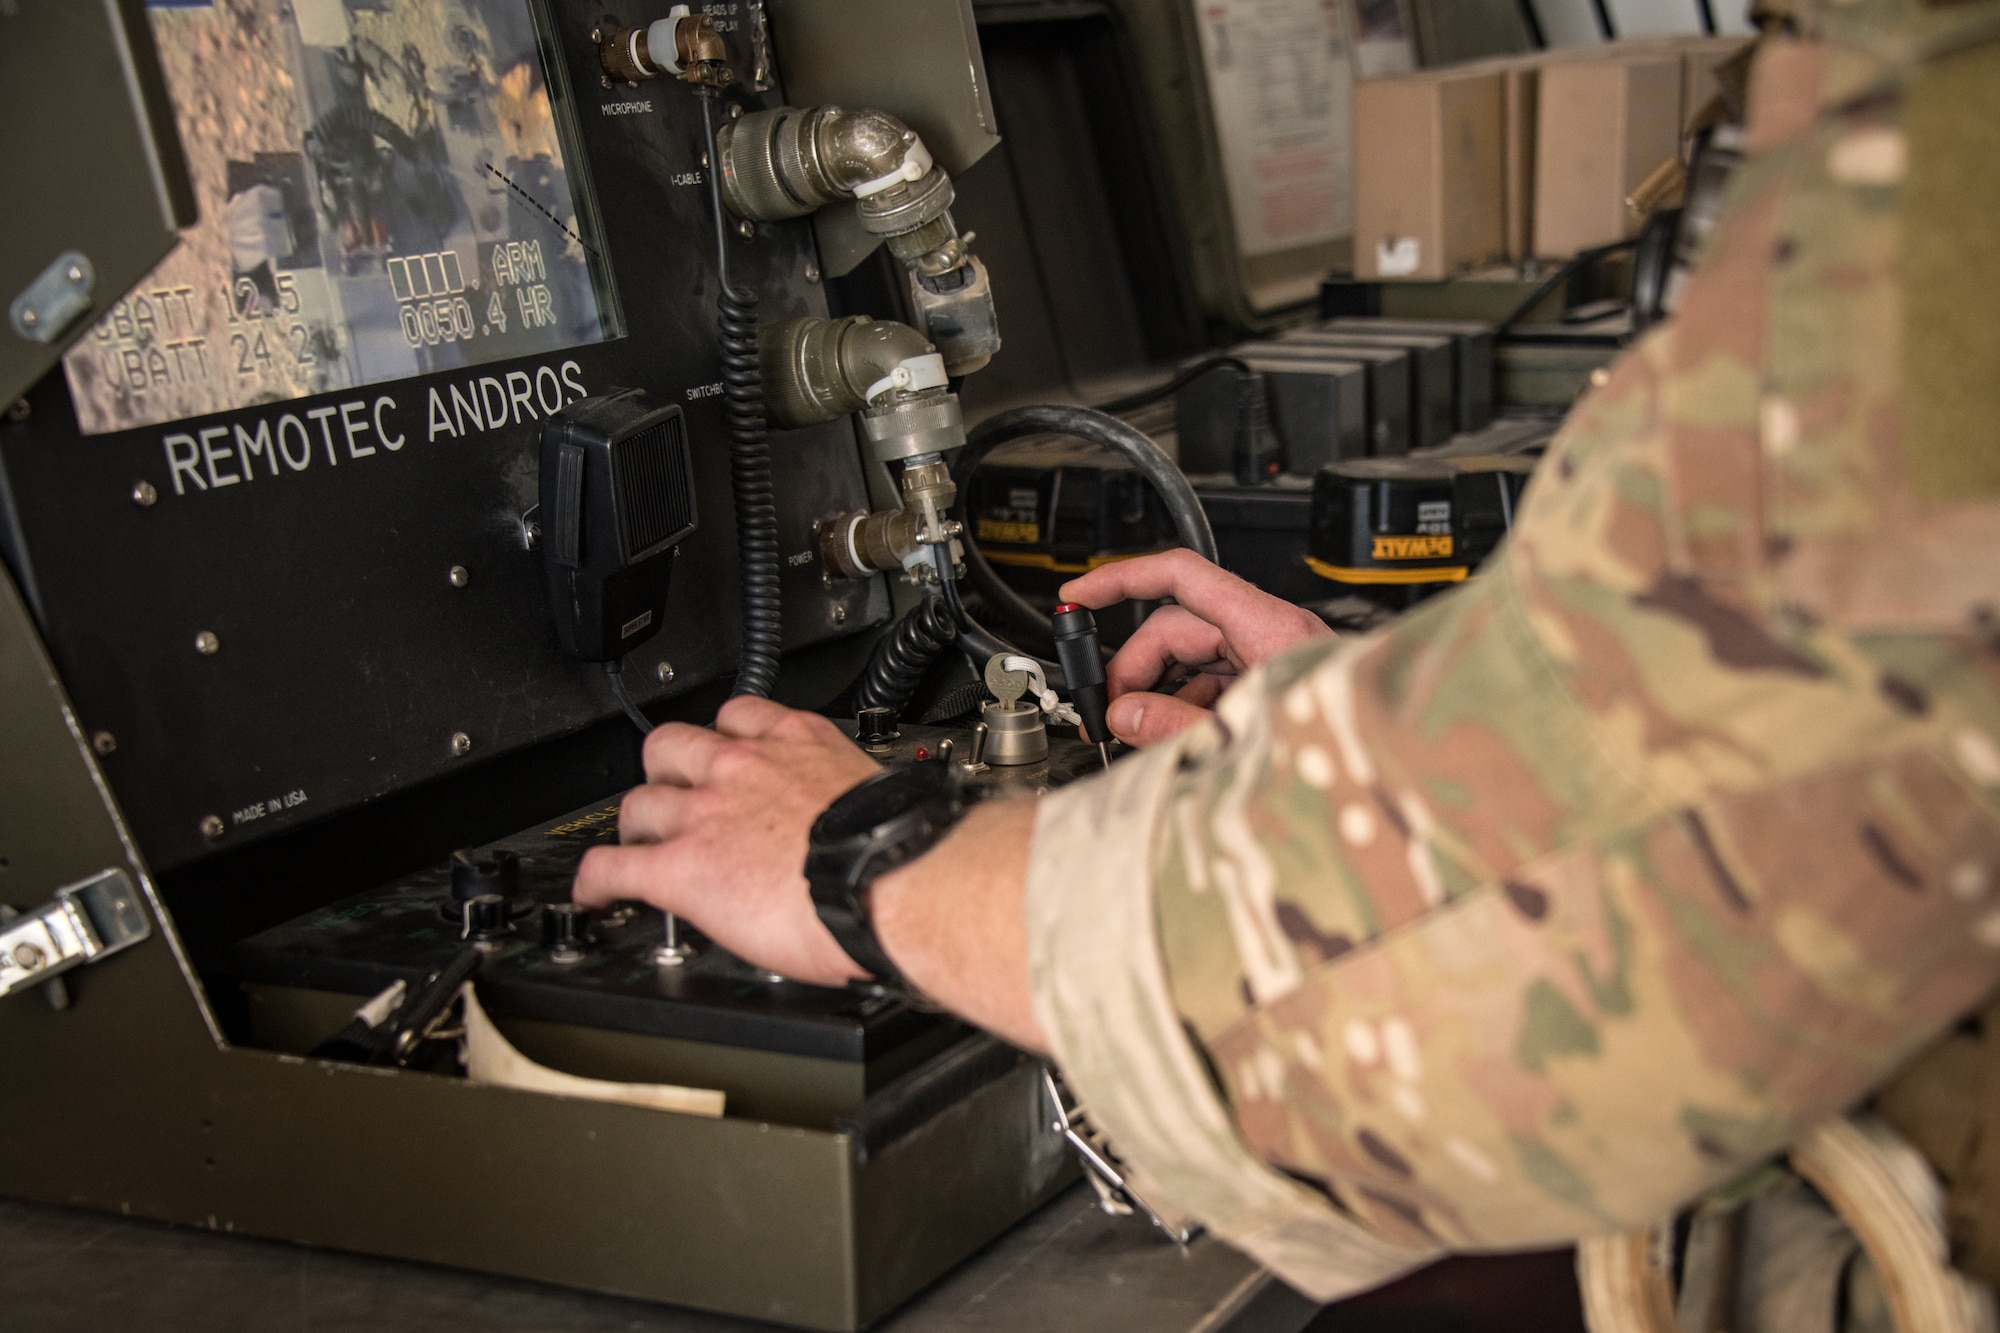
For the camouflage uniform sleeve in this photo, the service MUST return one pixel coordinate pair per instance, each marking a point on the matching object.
(1581, 889)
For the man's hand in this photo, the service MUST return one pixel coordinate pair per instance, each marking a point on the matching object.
(718, 834)
(1220, 628)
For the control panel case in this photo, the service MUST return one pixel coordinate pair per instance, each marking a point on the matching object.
(275, 637)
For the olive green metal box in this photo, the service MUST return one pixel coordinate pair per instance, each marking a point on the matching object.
(131, 1100)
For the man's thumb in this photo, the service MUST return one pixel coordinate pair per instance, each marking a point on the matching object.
(1140, 718)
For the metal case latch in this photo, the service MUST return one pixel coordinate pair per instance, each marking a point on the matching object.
(85, 922)
(1115, 1194)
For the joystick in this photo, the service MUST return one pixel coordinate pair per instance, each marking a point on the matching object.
(474, 873)
(564, 932)
(485, 918)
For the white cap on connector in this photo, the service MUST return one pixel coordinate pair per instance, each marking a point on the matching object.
(917, 373)
(916, 161)
(660, 41)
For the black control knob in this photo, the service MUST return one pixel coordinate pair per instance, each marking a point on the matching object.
(474, 873)
(564, 931)
(875, 727)
(485, 917)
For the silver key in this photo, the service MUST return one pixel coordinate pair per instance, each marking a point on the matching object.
(1007, 686)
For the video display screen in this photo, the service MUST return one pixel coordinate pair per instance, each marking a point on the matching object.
(387, 188)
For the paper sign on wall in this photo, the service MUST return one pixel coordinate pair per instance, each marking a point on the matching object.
(1281, 87)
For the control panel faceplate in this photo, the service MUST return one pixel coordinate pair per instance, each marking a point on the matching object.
(328, 592)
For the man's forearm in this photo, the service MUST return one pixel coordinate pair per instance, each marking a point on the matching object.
(954, 921)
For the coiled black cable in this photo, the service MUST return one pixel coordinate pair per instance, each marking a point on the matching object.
(956, 702)
(901, 657)
(749, 454)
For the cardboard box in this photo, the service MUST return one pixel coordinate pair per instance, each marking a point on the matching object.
(1429, 173)
(1657, 98)
(1602, 126)
(1518, 82)
(1699, 56)
(1699, 60)
(1521, 83)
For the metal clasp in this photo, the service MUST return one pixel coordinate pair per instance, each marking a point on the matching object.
(86, 921)
(1115, 1194)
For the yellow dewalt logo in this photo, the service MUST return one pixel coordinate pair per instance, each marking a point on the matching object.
(1412, 548)
(998, 530)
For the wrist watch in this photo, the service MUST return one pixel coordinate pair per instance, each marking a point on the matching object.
(890, 819)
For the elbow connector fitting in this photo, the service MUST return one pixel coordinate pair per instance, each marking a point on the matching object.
(818, 370)
(786, 162)
(682, 44)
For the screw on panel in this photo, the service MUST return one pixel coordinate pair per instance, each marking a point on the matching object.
(461, 743)
(207, 644)
(211, 827)
(18, 410)
(459, 576)
(144, 494)
(103, 742)
(596, 36)
(746, 229)
(31, 317)
(839, 615)
(28, 957)
(812, 272)
(665, 672)
(735, 111)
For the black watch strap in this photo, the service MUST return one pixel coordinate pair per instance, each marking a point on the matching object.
(884, 822)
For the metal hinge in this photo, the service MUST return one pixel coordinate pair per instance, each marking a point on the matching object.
(86, 921)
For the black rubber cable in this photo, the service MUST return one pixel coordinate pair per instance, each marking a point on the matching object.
(974, 639)
(1570, 268)
(905, 653)
(1151, 461)
(613, 672)
(749, 453)
(1132, 402)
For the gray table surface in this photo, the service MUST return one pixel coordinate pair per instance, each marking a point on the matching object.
(1066, 1269)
